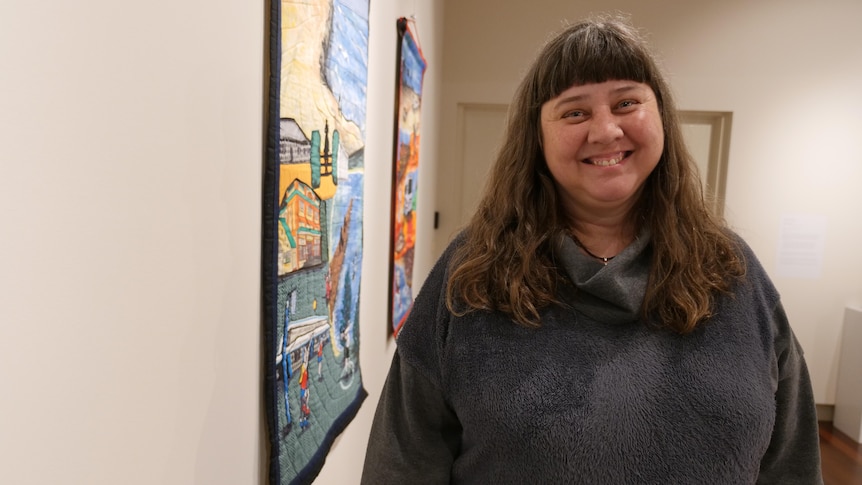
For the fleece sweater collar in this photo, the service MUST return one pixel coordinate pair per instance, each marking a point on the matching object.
(611, 293)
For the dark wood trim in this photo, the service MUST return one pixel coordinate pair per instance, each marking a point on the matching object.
(841, 457)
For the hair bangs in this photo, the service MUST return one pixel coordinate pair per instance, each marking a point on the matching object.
(594, 54)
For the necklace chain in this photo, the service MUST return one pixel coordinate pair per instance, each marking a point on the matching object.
(589, 253)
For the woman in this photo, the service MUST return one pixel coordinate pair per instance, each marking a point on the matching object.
(595, 323)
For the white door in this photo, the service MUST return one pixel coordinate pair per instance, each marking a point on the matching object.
(480, 129)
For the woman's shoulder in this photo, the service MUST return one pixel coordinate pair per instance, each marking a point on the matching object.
(437, 277)
(756, 277)
(745, 252)
(422, 337)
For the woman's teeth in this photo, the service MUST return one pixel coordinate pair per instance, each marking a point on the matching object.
(608, 162)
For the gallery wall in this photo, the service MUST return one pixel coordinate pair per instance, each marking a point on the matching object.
(129, 291)
(130, 186)
(787, 70)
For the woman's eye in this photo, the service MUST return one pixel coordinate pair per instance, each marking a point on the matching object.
(573, 114)
(627, 103)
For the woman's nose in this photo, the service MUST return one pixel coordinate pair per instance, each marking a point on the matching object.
(604, 128)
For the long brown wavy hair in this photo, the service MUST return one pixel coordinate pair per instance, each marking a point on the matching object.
(506, 260)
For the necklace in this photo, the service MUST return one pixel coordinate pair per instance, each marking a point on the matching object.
(600, 258)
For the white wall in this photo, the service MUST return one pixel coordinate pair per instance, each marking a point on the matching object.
(789, 71)
(131, 145)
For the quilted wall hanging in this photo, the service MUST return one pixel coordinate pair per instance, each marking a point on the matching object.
(312, 229)
(411, 72)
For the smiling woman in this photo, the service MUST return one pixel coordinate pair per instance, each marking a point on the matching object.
(595, 322)
(601, 141)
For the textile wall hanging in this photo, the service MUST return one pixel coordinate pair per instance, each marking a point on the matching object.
(411, 71)
(312, 229)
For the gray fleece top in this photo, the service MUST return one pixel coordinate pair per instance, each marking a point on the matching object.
(597, 396)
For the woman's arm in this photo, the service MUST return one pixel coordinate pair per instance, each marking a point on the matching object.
(793, 456)
(415, 435)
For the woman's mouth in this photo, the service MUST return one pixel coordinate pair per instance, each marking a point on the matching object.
(604, 161)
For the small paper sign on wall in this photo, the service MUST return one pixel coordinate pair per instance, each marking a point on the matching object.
(801, 244)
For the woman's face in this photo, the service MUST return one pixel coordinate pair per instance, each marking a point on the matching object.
(601, 141)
